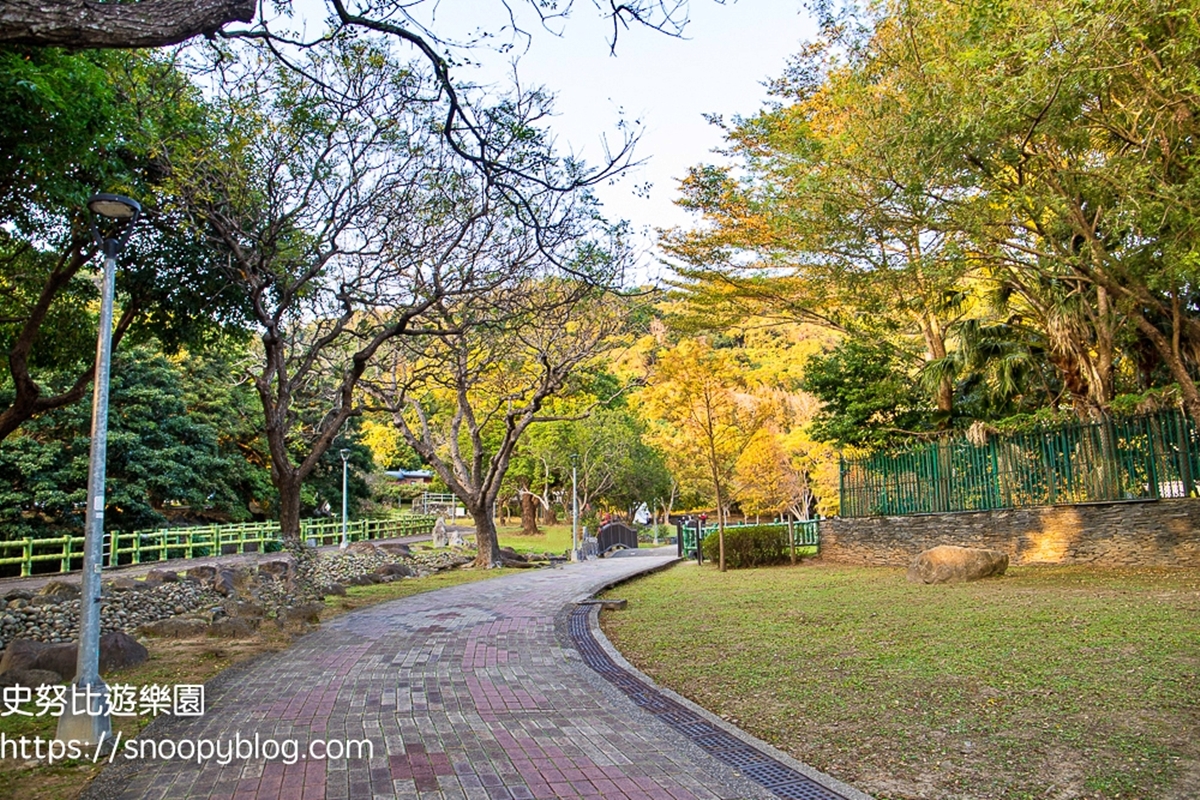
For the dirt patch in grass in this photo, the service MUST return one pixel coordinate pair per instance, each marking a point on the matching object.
(1046, 683)
(184, 661)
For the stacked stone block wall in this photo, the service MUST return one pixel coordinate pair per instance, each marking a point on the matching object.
(1163, 533)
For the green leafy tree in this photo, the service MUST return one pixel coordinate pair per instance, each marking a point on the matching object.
(615, 468)
(72, 124)
(1005, 191)
(868, 400)
(163, 458)
(826, 220)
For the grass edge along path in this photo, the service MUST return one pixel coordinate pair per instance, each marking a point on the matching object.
(190, 661)
(1055, 682)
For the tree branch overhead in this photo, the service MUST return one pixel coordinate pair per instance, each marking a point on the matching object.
(91, 24)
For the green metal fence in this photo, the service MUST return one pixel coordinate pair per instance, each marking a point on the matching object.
(1134, 458)
(139, 547)
(806, 534)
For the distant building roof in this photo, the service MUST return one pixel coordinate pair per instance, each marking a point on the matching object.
(409, 474)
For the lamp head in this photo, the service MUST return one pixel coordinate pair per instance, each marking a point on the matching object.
(114, 206)
(345, 453)
(118, 211)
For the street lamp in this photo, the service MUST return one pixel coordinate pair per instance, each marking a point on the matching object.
(345, 471)
(574, 509)
(90, 722)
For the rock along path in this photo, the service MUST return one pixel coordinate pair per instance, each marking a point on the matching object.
(475, 692)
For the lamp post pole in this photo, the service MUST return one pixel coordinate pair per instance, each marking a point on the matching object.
(345, 471)
(86, 717)
(574, 510)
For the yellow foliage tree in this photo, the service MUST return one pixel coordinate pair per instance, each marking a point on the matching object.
(701, 413)
(764, 481)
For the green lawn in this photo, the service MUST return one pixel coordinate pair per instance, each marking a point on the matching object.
(1049, 682)
(553, 539)
(360, 596)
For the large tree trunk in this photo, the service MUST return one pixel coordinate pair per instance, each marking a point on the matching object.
(935, 343)
(487, 546)
(304, 558)
(1103, 385)
(529, 515)
(289, 507)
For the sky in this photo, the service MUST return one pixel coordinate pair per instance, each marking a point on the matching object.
(668, 84)
(728, 51)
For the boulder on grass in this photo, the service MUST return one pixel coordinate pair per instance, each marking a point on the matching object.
(233, 628)
(276, 569)
(29, 677)
(951, 564)
(156, 576)
(22, 654)
(117, 651)
(394, 570)
(61, 590)
(305, 613)
(245, 609)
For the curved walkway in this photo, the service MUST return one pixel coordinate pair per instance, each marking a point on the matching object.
(474, 692)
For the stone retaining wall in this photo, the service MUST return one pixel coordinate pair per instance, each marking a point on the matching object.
(1163, 533)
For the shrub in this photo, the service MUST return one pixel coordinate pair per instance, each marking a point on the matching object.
(750, 546)
(646, 534)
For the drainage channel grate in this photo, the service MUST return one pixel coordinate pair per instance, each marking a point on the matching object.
(761, 768)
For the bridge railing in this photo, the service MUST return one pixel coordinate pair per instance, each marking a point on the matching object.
(200, 541)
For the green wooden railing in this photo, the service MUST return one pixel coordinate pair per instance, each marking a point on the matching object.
(163, 544)
(1135, 458)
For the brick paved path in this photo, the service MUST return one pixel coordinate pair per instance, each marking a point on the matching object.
(472, 692)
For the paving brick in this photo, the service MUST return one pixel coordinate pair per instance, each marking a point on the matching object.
(469, 693)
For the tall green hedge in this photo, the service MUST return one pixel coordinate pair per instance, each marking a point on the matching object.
(750, 546)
